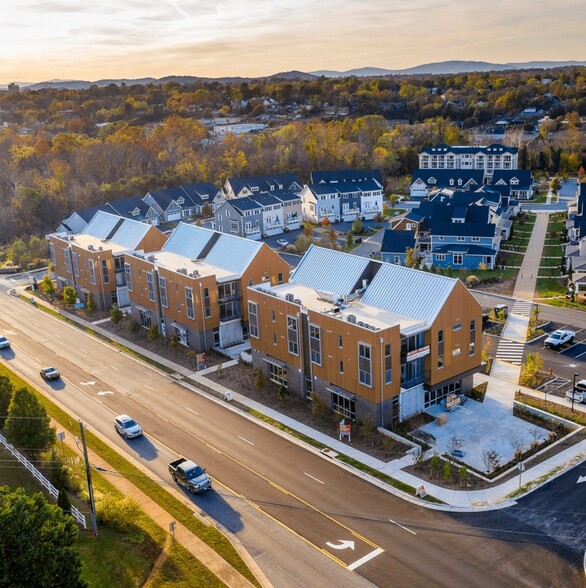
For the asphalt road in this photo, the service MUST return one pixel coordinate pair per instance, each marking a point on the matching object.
(267, 486)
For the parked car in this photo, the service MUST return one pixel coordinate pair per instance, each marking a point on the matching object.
(458, 453)
(127, 426)
(578, 396)
(4, 343)
(282, 242)
(559, 338)
(191, 476)
(50, 373)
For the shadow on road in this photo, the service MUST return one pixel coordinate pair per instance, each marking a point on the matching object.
(216, 506)
(7, 354)
(143, 446)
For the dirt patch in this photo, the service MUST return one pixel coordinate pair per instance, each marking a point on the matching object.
(365, 437)
(506, 287)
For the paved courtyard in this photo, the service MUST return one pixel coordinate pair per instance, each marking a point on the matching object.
(489, 425)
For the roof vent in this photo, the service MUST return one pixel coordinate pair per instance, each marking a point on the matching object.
(100, 248)
(351, 318)
(297, 301)
(151, 258)
(289, 297)
(361, 324)
(181, 270)
(195, 274)
(90, 247)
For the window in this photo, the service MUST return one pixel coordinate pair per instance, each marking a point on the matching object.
(476, 239)
(293, 335)
(128, 273)
(106, 276)
(229, 290)
(145, 318)
(273, 316)
(189, 307)
(280, 278)
(461, 238)
(364, 364)
(472, 348)
(274, 338)
(206, 302)
(234, 227)
(457, 327)
(163, 292)
(458, 258)
(90, 264)
(75, 264)
(340, 342)
(397, 260)
(440, 256)
(315, 344)
(440, 349)
(67, 255)
(344, 405)
(151, 286)
(341, 368)
(53, 255)
(278, 374)
(388, 371)
(253, 319)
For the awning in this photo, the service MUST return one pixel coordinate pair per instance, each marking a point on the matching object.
(276, 362)
(179, 326)
(141, 308)
(341, 392)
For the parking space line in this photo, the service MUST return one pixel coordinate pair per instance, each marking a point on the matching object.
(313, 478)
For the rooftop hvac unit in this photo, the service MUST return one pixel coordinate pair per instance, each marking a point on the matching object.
(360, 324)
(90, 247)
(195, 274)
(151, 258)
(297, 301)
(100, 248)
(336, 309)
(289, 297)
(182, 270)
(351, 318)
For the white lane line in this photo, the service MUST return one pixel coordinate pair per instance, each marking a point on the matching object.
(580, 355)
(186, 408)
(245, 440)
(83, 350)
(37, 324)
(310, 476)
(151, 388)
(114, 368)
(366, 558)
(56, 336)
(406, 529)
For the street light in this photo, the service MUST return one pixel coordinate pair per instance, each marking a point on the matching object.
(574, 389)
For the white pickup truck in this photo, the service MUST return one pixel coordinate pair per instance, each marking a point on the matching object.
(559, 337)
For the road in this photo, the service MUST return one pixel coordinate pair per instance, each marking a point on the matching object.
(295, 511)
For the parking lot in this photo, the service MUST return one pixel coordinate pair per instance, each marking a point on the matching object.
(564, 362)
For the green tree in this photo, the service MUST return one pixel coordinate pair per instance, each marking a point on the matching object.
(69, 295)
(63, 501)
(90, 303)
(37, 543)
(358, 226)
(28, 425)
(349, 239)
(46, 286)
(116, 315)
(434, 464)
(6, 391)
(447, 471)
(153, 333)
(555, 185)
(410, 256)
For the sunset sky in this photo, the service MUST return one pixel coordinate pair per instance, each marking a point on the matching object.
(80, 39)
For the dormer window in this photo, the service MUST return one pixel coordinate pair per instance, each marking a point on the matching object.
(135, 212)
(451, 181)
(431, 181)
(514, 182)
(254, 188)
(180, 200)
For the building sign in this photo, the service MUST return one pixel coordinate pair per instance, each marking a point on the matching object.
(345, 430)
(418, 353)
(421, 491)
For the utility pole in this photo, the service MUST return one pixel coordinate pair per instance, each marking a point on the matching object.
(88, 472)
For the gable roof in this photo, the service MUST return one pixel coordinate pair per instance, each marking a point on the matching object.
(190, 240)
(467, 229)
(409, 292)
(232, 253)
(371, 177)
(201, 193)
(266, 183)
(492, 149)
(330, 271)
(164, 198)
(395, 241)
(444, 177)
(121, 231)
(524, 177)
(125, 207)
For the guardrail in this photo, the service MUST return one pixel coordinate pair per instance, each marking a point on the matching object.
(75, 513)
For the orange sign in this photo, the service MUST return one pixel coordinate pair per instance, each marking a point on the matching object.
(345, 429)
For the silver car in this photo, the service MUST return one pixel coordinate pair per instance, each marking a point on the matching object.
(127, 426)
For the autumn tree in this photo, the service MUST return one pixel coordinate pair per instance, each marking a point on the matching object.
(6, 391)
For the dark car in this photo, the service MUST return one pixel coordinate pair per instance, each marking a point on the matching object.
(50, 373)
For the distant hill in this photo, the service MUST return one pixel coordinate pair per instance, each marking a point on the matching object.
(443, 67)
(447, 67)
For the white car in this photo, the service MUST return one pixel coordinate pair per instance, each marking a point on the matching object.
(559, 337)
(282, 242)
(578, 396)
(127, 426)
(4, 343)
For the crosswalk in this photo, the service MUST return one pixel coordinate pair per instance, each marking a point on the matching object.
(511, 351)
(522, 307)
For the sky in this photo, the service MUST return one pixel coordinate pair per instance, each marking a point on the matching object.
(90, 40)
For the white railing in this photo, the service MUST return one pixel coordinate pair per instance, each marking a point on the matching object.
(75, 513)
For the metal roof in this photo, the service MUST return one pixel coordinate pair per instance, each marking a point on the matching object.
(330, 271)
(232, 253)
(189, 240)
(102, 225)
(408, 292)
(130, 233)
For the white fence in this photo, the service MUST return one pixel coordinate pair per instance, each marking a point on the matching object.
(75, 513)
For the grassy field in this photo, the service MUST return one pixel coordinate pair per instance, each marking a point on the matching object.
(548, 287)
(176, 509)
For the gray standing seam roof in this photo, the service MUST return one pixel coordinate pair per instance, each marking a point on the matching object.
(130, 233)
(102, 225)
(188, 240)
(408, 292)
(329, 271)
(234, 254)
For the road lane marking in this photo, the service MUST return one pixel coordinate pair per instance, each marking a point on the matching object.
(399, 525)
(151, 388)
(343, 544)
(366, 558)
(114, 368)
(246, 440)
(57, 336)
(186, 408)
(83, 350)
(37, 324)
(313, 478)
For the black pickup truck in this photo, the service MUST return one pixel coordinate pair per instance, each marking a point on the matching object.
(189, 475)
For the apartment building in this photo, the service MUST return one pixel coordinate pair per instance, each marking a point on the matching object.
(370, 338)
(195, 286)
(92, 261)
